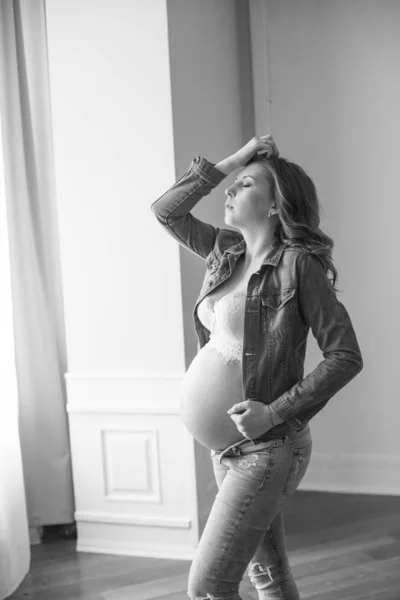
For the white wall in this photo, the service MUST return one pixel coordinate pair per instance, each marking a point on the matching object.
(111, 101)
(114, 155)
(335, 101)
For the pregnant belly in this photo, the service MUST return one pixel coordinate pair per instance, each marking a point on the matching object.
(210, 387)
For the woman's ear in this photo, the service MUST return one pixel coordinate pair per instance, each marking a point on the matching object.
(273, 210)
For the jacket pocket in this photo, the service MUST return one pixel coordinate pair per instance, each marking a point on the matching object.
(211, 263)
(277, 311)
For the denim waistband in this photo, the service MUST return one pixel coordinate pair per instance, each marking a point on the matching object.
(245, 445)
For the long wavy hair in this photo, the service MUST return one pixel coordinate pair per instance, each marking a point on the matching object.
(298, 209)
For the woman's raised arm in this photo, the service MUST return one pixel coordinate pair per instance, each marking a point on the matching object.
(173, 208)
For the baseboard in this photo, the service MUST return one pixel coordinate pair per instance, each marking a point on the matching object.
(124, 548)
(35, 535)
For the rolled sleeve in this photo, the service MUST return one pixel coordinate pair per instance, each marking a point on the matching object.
(172, 209)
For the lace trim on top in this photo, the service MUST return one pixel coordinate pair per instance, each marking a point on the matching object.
(231, 352)
(224, 318)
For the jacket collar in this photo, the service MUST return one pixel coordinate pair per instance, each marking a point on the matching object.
(272, 258)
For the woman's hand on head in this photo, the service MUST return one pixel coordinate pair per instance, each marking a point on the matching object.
(263, 144)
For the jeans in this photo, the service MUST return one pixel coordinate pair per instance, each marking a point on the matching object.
(245, 527)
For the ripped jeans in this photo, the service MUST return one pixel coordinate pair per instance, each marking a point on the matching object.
(245, 527)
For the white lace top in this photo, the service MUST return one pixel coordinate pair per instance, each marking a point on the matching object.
(224, 318)
(213, 382)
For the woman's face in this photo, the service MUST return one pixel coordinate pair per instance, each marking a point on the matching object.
(250, 198)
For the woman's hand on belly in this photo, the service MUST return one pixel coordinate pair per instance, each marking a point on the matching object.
(209, 423)
(252, 418)
(210, 387)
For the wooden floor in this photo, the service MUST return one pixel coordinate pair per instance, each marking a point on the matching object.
(341, 547)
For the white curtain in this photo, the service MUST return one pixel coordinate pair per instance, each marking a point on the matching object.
(14, 537)
(35, 425)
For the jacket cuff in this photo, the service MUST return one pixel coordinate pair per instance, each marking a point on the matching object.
(282, 409)
(275, 418)
(206, 170)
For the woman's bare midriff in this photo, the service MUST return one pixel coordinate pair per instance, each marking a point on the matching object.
(210, 388)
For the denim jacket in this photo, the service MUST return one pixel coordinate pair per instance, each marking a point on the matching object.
(288, 295)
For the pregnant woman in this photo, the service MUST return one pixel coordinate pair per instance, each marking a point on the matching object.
(245, 396)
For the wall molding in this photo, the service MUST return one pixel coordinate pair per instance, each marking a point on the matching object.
(118, 408)
(157, 394)
(94, 376)
(134, 548)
